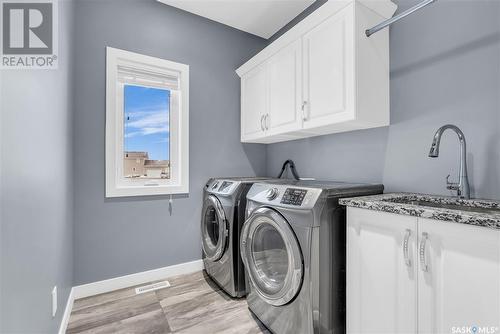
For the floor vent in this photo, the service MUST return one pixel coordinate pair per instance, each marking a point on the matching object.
(152, 287)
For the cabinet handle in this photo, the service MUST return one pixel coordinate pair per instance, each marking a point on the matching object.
(262, 122)
(266, 121)
(423, 263)
(304, 115)
(405, 248)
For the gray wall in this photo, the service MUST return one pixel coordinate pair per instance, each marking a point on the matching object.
(36, 192)
(445, 68)
(114, 237)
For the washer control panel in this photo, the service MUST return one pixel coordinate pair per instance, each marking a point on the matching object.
(284, 195)
(222, 187)
(225, 186)
(293, 196)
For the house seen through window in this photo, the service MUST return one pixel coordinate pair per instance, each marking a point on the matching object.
(146, 132)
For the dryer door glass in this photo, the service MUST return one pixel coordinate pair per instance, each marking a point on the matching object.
(213, 229)
(272, 256)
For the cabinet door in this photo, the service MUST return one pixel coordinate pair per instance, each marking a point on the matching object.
(253, 103)
(460, 288)
(329, 71)
(381, 277)
(285, 90)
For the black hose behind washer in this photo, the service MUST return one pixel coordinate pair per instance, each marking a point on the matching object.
(291, 164)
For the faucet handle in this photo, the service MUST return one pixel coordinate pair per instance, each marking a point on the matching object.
(451, 185)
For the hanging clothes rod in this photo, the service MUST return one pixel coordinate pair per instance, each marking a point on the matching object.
(396, 18)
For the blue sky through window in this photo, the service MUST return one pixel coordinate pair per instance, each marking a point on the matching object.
(147, 115)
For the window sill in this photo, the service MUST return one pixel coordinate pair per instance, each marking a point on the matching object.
(151, 190)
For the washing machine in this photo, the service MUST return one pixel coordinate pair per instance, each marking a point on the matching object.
(223, 214)
(293, 248)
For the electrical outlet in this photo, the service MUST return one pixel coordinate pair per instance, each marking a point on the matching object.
(54, 301)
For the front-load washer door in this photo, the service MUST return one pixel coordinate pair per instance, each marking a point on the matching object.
(214, 230)
(272, 256)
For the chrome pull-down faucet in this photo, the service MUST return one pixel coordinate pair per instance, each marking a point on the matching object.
(462, 187)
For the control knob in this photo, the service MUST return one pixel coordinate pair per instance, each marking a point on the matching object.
(272, 193)
(216, 183)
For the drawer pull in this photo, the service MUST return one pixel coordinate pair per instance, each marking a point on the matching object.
(423, 263)
(406, 254)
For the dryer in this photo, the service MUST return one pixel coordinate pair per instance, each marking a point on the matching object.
(223, 214)
(293, 248)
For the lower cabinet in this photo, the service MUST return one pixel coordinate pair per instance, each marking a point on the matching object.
(381, 272)
(414, 275)
(458, 278)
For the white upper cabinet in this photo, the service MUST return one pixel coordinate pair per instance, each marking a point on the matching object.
(322, 76)
(329, 72)
(253, 104)
(284, 90)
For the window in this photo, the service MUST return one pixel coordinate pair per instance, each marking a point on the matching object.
(146, 125)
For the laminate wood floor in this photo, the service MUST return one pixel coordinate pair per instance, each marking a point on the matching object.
(192, 304)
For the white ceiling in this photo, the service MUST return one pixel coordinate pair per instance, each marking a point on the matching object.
(259, 17)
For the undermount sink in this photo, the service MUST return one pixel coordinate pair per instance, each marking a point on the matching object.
(449, 204)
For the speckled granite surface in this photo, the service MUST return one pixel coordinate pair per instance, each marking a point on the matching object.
(485, 213)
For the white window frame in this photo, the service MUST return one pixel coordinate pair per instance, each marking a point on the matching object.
(116, 184)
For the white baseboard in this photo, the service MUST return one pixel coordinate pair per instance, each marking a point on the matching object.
(122, 282)
(91, 289)
(67, 312)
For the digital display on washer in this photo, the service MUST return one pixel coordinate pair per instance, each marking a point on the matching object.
(293, 196)
(225, 186)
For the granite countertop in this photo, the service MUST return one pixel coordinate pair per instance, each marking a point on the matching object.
(394, 203)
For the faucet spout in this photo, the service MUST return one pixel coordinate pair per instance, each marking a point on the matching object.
(462, 187)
